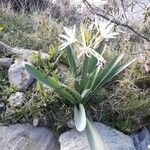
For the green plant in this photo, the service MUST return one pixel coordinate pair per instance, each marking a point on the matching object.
(89, 69)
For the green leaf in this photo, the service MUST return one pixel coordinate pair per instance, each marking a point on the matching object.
(116, 70)
(93, 137)
(71, 60)
(75, 93)
(94, 78)
(83, 81)
(105, 72)
(85, 92)
(42, 77)
(50, 82)
(80, 117)
(110, 70)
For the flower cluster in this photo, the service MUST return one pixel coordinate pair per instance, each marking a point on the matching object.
(90, 39)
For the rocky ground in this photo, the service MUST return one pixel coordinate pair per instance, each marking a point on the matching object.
(28, 137)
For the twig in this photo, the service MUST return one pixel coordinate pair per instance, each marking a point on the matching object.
(115, 21)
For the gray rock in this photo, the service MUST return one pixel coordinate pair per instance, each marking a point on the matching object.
(23, 54)
(19, 77)
(6, 62)
(16, 99)
(71, 124)
(26, 137)
(142, 139)
(111, 138)
(27, 55)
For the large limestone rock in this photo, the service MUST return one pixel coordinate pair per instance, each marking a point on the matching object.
(19, 77)
(26, 137)
(111, 138)
(23, 54)
(142, 139)
(27, 55)
(16, 99)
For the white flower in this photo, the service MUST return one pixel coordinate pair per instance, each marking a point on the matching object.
(83, 47)
(105, 28)
(67, 39)
(86, 47)
(89, 52)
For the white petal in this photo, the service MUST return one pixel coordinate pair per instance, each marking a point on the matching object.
(64, 36)
(74, 29)
(67, 31)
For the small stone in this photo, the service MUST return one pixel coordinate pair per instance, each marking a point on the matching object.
(26, 137)
(35, 122)
(6, 62)
(2, 104)
(111, 138)
(40, 122)
(71, 124)
(19, 77)
(16, 99)
(2, 107)
(62, 72)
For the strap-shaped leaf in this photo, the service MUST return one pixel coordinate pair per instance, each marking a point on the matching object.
(50, 82)
(93, 137)
(74, 93)
(111, 70)
(116, 70)
(80, 117)
(83, 81)
(90, 80)
(85, 92)
(98, 78)
(105, 72)
(71, 60)
(94, 77)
